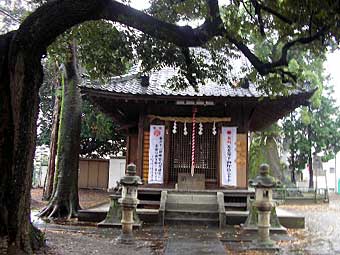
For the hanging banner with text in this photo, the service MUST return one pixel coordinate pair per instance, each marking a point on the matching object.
(156, 154)
(228, 157)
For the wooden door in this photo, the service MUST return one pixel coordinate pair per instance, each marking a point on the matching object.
(205, 152)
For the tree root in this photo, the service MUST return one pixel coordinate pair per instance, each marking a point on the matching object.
(59, 209)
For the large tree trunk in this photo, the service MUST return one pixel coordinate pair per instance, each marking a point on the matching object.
(21, 76)
(270, 152)
(48, 185)
(64, 202)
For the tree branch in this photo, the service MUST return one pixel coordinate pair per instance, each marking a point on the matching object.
(53, 18)
(266, 68)
(275, 13)
(259, 16)
(302, 40)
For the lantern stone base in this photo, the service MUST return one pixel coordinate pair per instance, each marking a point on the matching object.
(114, 215)
(126, 238)
(263, 246)
(252, 221)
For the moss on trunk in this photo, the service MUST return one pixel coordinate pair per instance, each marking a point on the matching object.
(64, 201)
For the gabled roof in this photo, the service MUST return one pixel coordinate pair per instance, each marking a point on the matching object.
(113, 97)
(130, 84)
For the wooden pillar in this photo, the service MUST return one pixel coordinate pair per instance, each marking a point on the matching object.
(139, 162)
(247, 152)
(218, 156)
(167, 145)
(127, 156)
(247, 118)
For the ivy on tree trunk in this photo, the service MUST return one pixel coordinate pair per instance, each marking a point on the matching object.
(64, 201)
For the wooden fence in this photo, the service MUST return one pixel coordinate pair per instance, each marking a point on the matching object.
(93, 173)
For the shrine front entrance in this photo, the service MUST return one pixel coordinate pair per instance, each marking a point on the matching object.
(206, 158)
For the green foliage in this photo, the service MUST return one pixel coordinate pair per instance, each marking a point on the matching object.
(103, 50)
(256, 155)
(48, 91)
(324, 136)
(262, 144)
(100, 60)
(99, 135)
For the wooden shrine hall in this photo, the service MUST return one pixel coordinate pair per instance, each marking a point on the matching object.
(174, 134)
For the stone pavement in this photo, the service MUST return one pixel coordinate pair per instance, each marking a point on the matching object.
(195, 240)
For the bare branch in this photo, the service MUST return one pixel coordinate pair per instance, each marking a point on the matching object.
(302, 40)
(9, 15)
(259, 16)
(270, 67)
(275, 13)
(247, 10)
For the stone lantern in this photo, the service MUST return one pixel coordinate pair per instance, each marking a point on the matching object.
(264, 184)
(128, 202)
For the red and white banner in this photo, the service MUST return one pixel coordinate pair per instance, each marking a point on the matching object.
(156, 154)
(228, 151)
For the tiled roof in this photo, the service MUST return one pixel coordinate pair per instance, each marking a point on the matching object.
(130, 84)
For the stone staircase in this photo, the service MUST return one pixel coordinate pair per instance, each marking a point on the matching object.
(191, 207)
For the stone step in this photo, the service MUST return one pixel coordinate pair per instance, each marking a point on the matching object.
(197, 214)
(235, 204)
(187, 206)
(192, 220)
(191, 198)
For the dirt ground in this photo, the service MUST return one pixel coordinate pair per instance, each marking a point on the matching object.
(91, 240)
(87, 198)
(74, 238)
(320, 237)
(322, 233)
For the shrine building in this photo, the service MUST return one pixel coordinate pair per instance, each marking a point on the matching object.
(174, 136)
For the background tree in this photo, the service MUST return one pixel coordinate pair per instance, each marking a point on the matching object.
(64, 201)
(49, 127)
(315, 130)
(98, 132)
(264, 148)
(100, 137)
(313, 24)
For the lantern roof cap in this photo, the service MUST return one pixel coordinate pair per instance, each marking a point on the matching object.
(131, 178)
(263, 180)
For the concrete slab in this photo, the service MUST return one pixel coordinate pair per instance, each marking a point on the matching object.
(193, 240)
(98, 214)
(287, 219)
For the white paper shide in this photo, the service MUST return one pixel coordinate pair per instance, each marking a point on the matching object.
(228, 151)
(156, 154)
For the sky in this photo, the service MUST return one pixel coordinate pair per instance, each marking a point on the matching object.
(333, 69)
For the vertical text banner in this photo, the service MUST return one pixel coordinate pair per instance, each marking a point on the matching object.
(156, 154)
(228, 157)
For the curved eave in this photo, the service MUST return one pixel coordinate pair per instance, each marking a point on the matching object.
(91, 92)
